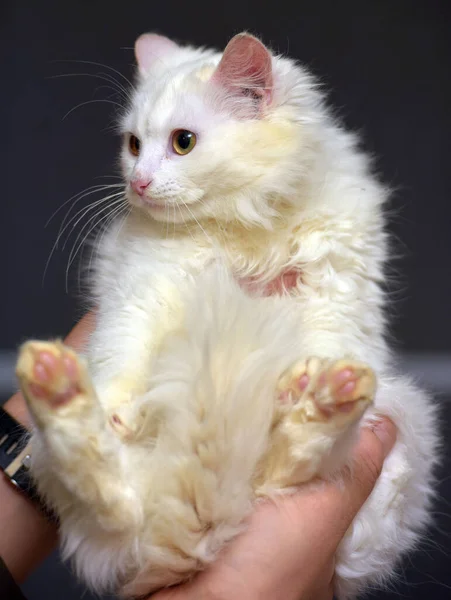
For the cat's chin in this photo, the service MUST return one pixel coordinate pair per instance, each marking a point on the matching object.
(169, 212)
(170, 216)
(149, 204)
(164, 211)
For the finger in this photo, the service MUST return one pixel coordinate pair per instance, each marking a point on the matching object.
(304, 528)
(323, 511)
(79, 335)
(375, 444)
(339, 502)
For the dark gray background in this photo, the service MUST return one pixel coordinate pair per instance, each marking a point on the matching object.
(386, 64)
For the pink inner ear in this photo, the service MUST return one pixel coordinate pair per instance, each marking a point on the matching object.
(150, 48)
(246, 65)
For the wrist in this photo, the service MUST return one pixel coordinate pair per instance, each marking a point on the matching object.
(27, 536)
(17, 408)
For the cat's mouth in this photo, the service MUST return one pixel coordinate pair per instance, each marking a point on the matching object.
(166, 208)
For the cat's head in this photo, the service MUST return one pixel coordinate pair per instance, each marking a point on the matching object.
(208, 135)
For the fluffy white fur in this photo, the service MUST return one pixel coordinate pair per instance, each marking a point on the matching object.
(190, 361)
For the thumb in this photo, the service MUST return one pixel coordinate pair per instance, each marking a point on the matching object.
(375, 443)
(339, 502)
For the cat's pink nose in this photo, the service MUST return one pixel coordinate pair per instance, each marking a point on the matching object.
(140, 184)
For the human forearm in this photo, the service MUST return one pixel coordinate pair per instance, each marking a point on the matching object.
(26, 535)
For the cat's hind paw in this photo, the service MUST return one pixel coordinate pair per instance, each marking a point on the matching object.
(52, 377)
(318, 402)
(320, 389)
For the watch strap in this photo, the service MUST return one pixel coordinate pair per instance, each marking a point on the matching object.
(15, 457)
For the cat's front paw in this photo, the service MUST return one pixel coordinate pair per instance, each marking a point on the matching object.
(124, 423)
(52, 378)
(122, 409)
(320, 389)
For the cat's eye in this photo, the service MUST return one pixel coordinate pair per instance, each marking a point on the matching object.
(183, 141)
(134, 145)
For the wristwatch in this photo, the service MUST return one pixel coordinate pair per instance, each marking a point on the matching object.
(15, 464)
(15, 456)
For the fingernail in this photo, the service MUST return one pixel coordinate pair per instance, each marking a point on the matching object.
(386, 432)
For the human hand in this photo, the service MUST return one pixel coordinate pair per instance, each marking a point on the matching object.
(289, 547)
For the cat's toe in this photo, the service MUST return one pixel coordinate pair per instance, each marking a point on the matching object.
(321, 389)
(50, 374)
(319, 401)
(295, 381)
(345, 387)
(125, 428)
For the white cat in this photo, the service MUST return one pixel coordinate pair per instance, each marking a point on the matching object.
(233, 303)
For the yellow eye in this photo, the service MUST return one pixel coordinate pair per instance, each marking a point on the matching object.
(134, 145)
(183, 141)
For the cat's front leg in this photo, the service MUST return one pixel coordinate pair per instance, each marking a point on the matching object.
(122, 349)
(76, 454)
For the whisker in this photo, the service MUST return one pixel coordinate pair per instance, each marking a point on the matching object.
(127, 212)
(101, 233)
(112, 128)
(116, 93)
(194, 217)
(88, 223)
(82, 195)
(85, 210)
(90, 220)
(121, 89)
(102, 228)
(167, 220)
(173, 223)
(185, 223)
(91, 102)
(75, 249)
(97, 64)
(105, 227)
(119, 85)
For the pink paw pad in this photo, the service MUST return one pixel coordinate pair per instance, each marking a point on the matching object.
(55, 378)
(337, 391)
(293, 385)
(45, 367)
(285, 397)
(303, 382)
(345, 382)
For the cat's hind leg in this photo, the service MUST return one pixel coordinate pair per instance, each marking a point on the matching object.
(320, 402)
(53, 378)
(72, 435)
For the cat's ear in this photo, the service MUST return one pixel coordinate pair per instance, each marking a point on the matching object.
(245, 69)
(150, 48)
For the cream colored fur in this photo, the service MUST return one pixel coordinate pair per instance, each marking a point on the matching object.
(189, 361)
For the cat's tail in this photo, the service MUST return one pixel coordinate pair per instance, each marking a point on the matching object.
(395, 516)
(212, 396)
